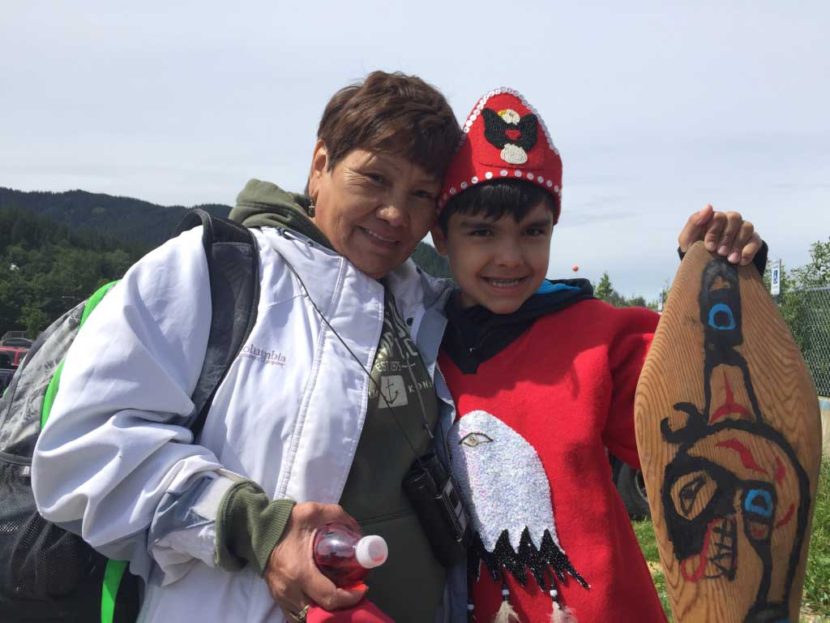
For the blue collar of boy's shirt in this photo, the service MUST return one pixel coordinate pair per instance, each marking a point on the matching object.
(549, 287)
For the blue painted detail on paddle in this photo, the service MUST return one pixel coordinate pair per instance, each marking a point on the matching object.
(721, 308)
(758, 501)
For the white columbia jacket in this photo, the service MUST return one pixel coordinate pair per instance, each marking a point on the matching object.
(115, 461)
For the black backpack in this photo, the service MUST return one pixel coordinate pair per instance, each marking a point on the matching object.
(47, 573)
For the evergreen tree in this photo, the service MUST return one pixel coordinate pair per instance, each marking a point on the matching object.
(606, 292)
(815, 274)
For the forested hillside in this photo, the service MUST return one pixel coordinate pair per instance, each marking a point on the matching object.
(45, 268)
(131, 221)
(58, 248)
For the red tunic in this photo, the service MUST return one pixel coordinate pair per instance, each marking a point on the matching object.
(566, 385)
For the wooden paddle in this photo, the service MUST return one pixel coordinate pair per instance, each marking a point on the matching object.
(729, 437)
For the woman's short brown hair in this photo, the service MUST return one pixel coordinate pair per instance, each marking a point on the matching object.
(394, 113)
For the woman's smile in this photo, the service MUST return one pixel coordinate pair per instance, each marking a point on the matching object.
(374, 207)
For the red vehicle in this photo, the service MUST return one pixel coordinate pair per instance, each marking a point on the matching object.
(12, 356)
(10, 359)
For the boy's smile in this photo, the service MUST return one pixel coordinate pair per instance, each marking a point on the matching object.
(498, 264)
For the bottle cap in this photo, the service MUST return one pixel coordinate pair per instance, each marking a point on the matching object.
(371, 551)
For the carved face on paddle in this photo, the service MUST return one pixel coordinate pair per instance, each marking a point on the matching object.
(740, 497)
(734, 495)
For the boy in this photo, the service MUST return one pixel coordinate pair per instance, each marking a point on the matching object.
(543, 376)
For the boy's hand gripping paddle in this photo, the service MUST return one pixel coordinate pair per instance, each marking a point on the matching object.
(729, 437)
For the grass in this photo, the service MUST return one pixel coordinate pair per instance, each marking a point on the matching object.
(817, 580)
(648, 543)
(815, 602)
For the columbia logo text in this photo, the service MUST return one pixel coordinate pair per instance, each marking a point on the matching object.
(271, 357)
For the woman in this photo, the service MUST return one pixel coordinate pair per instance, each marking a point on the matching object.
(329, 400)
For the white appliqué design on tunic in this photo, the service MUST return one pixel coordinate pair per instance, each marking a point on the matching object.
(502, 480)
(506, 489)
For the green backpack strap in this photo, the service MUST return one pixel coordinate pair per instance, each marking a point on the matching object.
(113, 574)
(55, 381)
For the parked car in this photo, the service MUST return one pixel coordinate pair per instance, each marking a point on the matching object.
(16, 338)
(631, 487)
(12, 356)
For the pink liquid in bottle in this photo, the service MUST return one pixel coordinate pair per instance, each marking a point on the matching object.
(346, 557)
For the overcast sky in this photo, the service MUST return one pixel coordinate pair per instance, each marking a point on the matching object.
(656, 107)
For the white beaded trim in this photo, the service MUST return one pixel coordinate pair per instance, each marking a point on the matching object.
(464, 185)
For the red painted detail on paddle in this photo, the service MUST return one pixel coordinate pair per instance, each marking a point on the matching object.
(697, 574)
(729, 405)
(745, 453)
(780, 472)
(787, 517)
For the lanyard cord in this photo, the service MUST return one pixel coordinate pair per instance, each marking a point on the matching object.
(360, 363)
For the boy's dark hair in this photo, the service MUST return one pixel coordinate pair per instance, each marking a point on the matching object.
(495, 199)
(395, 113)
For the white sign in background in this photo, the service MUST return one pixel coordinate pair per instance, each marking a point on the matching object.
(775, 278)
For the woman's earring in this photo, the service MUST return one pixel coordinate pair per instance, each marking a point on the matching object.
(310, 210)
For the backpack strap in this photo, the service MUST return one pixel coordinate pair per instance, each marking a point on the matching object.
(233, 265)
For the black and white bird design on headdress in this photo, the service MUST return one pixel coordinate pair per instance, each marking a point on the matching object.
(507, 491)
(513, 134)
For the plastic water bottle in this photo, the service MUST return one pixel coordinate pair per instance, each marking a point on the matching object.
(345, 556)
